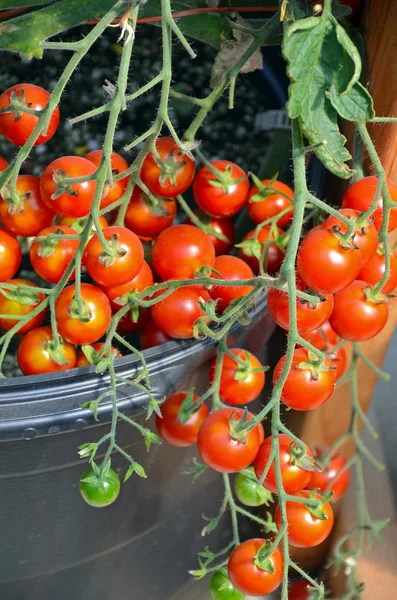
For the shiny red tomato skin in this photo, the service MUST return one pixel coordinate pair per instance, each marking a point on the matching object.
(320, 480)
(340, 361)
(10, 255)
(212, 199)
(12, 307)
(274, 255)
(180, 250)
(35, 215)
(323, 338)
(119, 165)
(272, 205)
(176, 314)
(304, 529)
(365, 238)
(247, 577)
(224, 226)
(231, 390)
(82, 359)
(361, 194)
(126, 325)
(34, 358)
(298, 590)
(230, 268)
(3, 164)
(373, 272)
(75, 331)
(17, 128)
(170, 428)
(124, 268)
(301, 390)
(67, 205)
(142, 221)
(78, 224)
(308, 318)
(333, 269)
(293, 476)
(355, 318)
(52, 267)
(151, 335)
(151, 173)
(217, 448)
(142, 280)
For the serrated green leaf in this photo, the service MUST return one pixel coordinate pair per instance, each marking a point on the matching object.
(357, 105)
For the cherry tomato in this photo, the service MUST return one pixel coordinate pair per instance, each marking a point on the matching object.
(15, 308)
(271, 205)
(307, 385)
(177, 313)
(82, 360)
(221, 588)
(373, 272)
(121, 264)
(77, 198)
(51, 259)
(249, 491)
(10, 255)
(224, 196)
(323, 338)
(119, 165)
(172, 429)
(239, 384)
(180, 250)
(97, 491)
(308, 317)
(232, 269)
(17, 126)
(294, 476)
(272, 258)
(79, 224)
(321, 480)
(361, 194)
(304, 529)
(175, 177)
(151, 335)
(34, 353)
(299, 590)
(223, 226)
(334, 267)
(3, 164)
(142, 280)
(94, 321)
(218, 449)
(355, 316)
(146, 219)
(33, 215)
(365, 237)
(127, 325)
(339, 360)
(247, 576)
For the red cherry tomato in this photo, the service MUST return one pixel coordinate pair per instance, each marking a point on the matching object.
(3, 164)
(142, 280)
(119, 165)
(172, 429)
(125, 262)
(77, 198)
(323, 338)
(33, 216)
(127, 325)
(217, 447)
(17, 126)
(230, 268)
(178, 312)
(15, 308)
(339, 360)
(222, 197)
(295, 478)
(151, 335)
(365, 237)
(308, 317)
(361, 194)
(223, 226)
(92, 325)
(304, 529)
(272, 258)
(355, 317)
(82, 360)
(334, 267)
(299, 590)
(146, 220)
(34, 354)
(271, 205)
(175, 178)
(239, 384)
(322, 480)
(373, 272)
(306, 387)
(10, 255)
(249, 578)
(51, 259)
(180, 250)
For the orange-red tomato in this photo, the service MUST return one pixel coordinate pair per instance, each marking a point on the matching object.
(34, 356)
(50, 261)
(151, 335)
(127, 325)
(17, 309)
(169, 426)
(249, 578)
(178, 312)
(323, 338)
(142, 280)
(119, 165)
(82, 360)
(223, 226)
(273, 204)
(146, 220)
(322, 480)
(299, 590)
(361, 194)
(339, 360)
(232, 269)
(220, 200)
(238, 385)
(366, 237)
(3, 164)
(272, 257)
(373, 272)
(10, 255)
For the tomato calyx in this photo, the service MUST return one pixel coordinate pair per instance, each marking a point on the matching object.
(224, 179)
(18, 105)
(101, 359)
(315, 505)
(48, 246)
(240, 427)
(79, 310)
(263, 559)
(346, 240)
(22, 296)
(56, 351)
(188, 407)
(245, 370)
(169, 167)
(302, 459)
(156, 204)
(206, 271)
(14, 199)
(112, 251)
(372, 296)
(264, 191)
(314, 365)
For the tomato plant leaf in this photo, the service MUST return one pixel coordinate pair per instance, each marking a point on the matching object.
(357, 105)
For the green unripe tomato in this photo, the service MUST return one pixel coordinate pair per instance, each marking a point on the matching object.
(221, 588)
(98, 492)
(248, 491)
